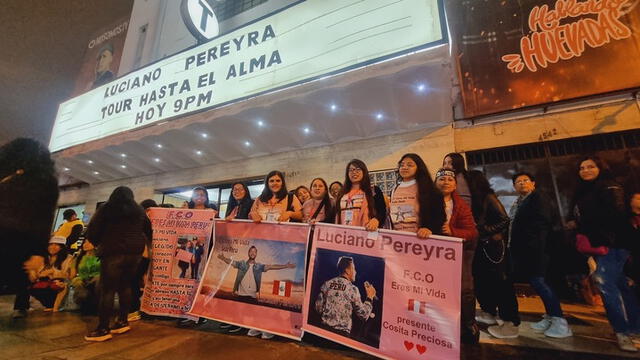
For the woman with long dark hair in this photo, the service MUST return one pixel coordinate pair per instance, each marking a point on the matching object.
(455, 161)
(416, 205)
(599, 211)
(275, 203)
(50, 281)
(493, 285)
(119, 229)
(303, 193)
(320, 207)
(356, 205)
(240, 202)
(335, 189)
(200, 199)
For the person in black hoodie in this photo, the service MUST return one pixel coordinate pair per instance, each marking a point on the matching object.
(599, 212)
(493, 283)
(28, 193)
(119, 229)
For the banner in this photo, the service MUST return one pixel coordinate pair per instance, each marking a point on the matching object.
(515, 54)
(302, 42)
(255, 277)
(102, 56)
(179, 251)
(387, 293)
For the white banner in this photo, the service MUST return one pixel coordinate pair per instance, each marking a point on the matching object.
(300, 43)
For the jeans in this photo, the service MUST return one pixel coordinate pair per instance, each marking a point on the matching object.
(493, 285)
(549, 298)
(620, 301)
(116, 274)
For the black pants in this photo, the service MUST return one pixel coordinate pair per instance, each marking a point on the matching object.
(116, 274)
(46, 296)
(468, 326)
(136, 283)
(194, 270)
(21, 286)
(493, 283)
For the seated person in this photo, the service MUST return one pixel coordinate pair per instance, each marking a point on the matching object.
(49, 283)
(85, 274)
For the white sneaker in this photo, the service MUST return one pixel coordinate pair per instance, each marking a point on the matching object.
(505, 331)
(267, 336)
(542, 325)
(625, 343)
(485, 318)
(254, 332)
(559, 328)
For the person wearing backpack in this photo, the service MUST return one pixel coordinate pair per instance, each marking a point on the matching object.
(275, 203)
(320, 207)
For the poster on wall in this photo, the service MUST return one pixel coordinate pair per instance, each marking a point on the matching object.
(386, 293)
(255, 277)
(102, 56)
(179, 251)
(515, 54)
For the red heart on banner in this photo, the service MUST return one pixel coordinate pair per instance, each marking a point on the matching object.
(421, 349)
(408, 345)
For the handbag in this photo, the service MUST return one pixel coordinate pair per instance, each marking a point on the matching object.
(583, 245)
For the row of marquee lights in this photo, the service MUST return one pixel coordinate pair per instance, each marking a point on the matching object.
(420, 88)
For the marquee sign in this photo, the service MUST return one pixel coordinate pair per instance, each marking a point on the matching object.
(297, 44)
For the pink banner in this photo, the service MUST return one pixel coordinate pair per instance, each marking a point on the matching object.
(179, 251)
(255, 277)
(388, 294)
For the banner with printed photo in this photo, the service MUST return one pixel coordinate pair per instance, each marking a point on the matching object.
(180, 246)
(255, 277)
(516, 54)
(387, 293)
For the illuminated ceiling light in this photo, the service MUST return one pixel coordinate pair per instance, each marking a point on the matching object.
(204, 135)
(156, 160)
(89, 161)
(379, 116)
(159, 146)
(198, 152)
(306, 130)
(333, 107)
(260, 123)
(66, 169)
(123, 166)
(123, 155)
(247, 144)
(421, 87)
(96, 173)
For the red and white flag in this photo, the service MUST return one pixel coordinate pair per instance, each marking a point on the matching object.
(282, 288)
(417, 306)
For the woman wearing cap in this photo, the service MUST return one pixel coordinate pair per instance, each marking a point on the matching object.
(459, 223)
(49, 282)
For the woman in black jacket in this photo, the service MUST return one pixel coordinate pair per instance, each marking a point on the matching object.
(599, 211)
(119, 229)
(493, 283)
(240, 202)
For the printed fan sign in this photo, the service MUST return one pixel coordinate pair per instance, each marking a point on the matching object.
(255, 277)
(514, 54)
(388, 294)
(179, 249)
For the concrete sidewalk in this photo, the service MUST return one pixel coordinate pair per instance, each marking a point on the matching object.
(53, 336)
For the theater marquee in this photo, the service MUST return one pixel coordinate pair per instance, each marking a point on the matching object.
(300, 43)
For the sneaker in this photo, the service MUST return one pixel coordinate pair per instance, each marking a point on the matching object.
(120, 327)
(505, 331)
(98, 335)
(542, 325)
(234, 329)
(485, 318)
(19, 314)
(225, 326)
(559, 328)
(134, 316)
(625, 343)
(186, 323)
(267, 336)
(254, 332)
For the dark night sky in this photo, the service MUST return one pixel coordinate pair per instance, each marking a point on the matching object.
(42, 46)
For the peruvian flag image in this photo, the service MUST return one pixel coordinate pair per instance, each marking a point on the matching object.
(282, 288)
(418, 307)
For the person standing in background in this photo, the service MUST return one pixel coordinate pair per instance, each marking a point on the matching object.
(455, 162)
(71, 229)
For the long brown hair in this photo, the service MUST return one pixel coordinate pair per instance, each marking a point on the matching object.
(365, 186)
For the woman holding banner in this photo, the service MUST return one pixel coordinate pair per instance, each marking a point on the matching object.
(356, 206)
(416, 205)
(239, 203)
(459, 223)
(275, 203)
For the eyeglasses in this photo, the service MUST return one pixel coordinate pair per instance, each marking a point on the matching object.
(523, 181)
(355, 170)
